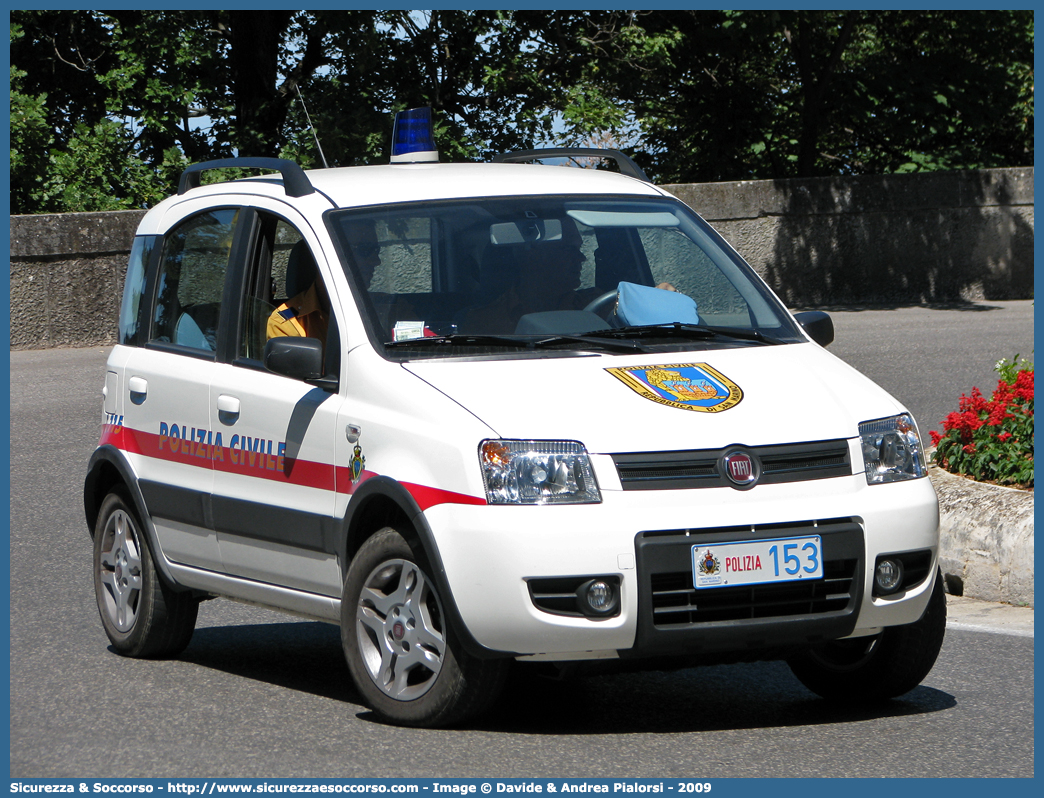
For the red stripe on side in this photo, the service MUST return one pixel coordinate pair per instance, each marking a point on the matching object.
(306, 473)
(344, 480)
(261, 465)
(120, 437)
(189, 452)
(428, 497)
(422, 494)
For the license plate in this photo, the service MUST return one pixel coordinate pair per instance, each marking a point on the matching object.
(756, 562)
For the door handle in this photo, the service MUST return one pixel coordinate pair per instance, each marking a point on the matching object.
(228, 409)
(139, 388)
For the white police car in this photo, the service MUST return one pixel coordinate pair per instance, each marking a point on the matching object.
(477, 413)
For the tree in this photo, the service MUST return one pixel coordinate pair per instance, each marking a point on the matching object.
(750, 94)
(692, 95)
(31, 136)
(941, 90)
(119, 94)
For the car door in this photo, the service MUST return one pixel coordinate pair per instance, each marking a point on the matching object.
(166, 381)
(274, 489)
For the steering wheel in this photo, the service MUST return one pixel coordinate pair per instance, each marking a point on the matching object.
(602, 305)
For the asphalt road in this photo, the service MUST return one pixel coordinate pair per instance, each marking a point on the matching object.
(261, 694)
(928, 357)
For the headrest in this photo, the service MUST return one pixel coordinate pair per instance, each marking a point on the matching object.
(301, 270)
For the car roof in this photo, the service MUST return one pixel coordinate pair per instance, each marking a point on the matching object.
(355, 186)
(365, 186)
(373, 185)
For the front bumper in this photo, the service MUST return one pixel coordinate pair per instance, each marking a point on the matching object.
(674, 618)
(489, 553)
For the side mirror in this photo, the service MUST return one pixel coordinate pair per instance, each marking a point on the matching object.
(818, 325)
(298, 358)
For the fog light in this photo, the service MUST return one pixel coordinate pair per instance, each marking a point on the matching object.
(599, 596)
(888, 575)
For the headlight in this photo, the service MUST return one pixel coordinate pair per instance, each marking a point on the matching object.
(892, 449)
(537, 472)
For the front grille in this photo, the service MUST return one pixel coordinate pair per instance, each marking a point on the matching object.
(682, 470)
(666, 557)
(747, 621)
(676, 602)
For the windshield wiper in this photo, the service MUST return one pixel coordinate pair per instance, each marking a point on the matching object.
(589, 340)
(682, 330)
(461, 339)
(620, 339)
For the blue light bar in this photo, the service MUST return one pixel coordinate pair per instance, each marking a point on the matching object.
(412, 140)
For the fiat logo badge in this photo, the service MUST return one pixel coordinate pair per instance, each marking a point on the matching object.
(741, 469)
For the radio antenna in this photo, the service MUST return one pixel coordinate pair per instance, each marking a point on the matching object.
(311, 127)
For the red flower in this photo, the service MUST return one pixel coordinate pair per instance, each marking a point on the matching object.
(999, 424)
(998, 412)
(1024, 386)
(970, 422)
(974, 403)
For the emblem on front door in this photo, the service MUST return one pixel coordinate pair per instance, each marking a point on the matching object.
(357, 463)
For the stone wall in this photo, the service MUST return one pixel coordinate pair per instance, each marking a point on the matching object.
(902, 239)
(985, 539)
(67, 277)
(937, 237)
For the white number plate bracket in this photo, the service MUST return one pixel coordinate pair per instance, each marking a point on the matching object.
(756, 562)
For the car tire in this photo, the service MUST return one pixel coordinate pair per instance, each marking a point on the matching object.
(142, 616)
(876, 668)
(400, 650)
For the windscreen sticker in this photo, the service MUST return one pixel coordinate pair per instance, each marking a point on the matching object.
(688, 386)
(406, 330)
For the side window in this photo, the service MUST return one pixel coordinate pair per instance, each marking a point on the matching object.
(286, 295)
(266, 287)
(133, 287)
(191, 280)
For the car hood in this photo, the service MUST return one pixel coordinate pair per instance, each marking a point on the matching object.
(760, 395)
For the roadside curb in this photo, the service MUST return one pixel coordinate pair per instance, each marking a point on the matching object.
(985, 539)
(985, 616)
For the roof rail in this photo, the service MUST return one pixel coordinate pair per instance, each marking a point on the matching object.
(295, 181)
(626, 165)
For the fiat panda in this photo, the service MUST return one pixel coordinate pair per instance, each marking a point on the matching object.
(486, 413)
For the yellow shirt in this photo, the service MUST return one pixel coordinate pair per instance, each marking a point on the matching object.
(301, 316)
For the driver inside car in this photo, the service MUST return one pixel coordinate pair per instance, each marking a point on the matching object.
(548, 278)
(306, 312)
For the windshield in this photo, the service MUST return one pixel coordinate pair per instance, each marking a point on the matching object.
(504, 274)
